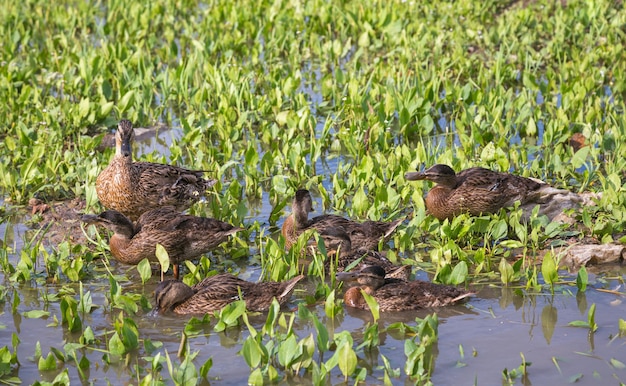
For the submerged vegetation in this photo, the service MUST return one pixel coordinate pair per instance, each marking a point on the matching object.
(342, 99)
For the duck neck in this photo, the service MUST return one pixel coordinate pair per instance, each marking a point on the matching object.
(119, 245)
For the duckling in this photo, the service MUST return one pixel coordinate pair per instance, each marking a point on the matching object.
(395, 294)
(366, 234)
(215, 292)
(479, 190)
(184, 237)
(133, 188)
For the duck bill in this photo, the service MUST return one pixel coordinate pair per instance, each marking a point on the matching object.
(93, 219)
(347, 276)
(415, 176)
(90, 219)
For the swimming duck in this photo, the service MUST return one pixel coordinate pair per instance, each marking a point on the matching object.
(366, 234)
(479, 190)
(184, 237)
(215, 292)
(133, 188)
(339, 249)
(394, 294)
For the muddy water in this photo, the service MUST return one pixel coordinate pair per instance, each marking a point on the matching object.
(477, 340)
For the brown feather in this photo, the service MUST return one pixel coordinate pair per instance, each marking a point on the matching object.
(366, 234)
(479, 190)
(215, 292)
(184, 237)
(133, 188)
(399, 295)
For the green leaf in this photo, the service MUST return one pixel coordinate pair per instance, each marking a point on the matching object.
(47, 363)
(548, 269)
(622, 326)
(346, 359)
(145, 271)
(83, 107)
(163, 257)
(617, 364)
(329, 305)
(591, 317)
(578, 323)
(35, 314)
(256, 378)
(372, 304)
(582, 279)
(126, 100)
(251, 352)
(506, 271)
(459, 273)
(580, 157)
(116, 347)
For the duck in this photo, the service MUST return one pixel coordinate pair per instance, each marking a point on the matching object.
(215, 292)
(393, 294)
(133, 188)
(339, 251)
(183, 236)
(365, 234)
(480, 191)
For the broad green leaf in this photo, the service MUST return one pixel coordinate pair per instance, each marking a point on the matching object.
(116, 347)
(459, 273)
(47, 363)
(346, 359)
(548, 269)
(506, 271)
(163, 257)
(83, 107)
(144, 269)
(35, 314)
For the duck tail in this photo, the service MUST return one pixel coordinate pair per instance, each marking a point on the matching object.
(288, 288)
(393, 226)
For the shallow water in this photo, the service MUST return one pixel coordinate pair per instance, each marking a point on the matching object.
(492, 329)
(477, 340)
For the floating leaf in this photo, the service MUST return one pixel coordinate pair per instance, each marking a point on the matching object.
(35, 314)
(617, 364)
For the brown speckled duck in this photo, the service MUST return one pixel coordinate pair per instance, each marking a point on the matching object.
(395, 294)
(479, 190)
(215, 292)
(365, 234)
(133, 188)
(184, 237)
(339, 249)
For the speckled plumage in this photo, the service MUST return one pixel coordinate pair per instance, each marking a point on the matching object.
(133, 188)
(184, 237)
(398, 295)
(340, 251)
(365, 234)
(479, 190)
(215, 292)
